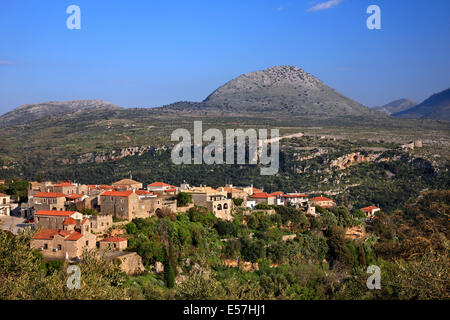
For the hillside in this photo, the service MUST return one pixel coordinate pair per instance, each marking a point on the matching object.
(285, 90)
(31, 112)
(396, 106)
(435, 107)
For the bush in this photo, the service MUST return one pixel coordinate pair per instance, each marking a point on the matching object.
(226, 228)
(131, 228)
(183, 199)
(238, 201)
(262, 206)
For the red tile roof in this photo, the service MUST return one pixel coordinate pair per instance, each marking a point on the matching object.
(158, 184)
(74, 236)
(74, 196)
(142, 192)
(117, 193)
(69, 221)
(49, 234)
(49, 195)
(257, 190)
(369, 209)
(114, 239)
(46, 234)
(84, 220)
(65, 184)
(321, 199)
(277, 193)
(171, 190)
(54, 213)
(261, 195)
(3, 195)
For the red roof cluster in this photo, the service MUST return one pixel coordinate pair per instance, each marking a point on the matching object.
(49, 195)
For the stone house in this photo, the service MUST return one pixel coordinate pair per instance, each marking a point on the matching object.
(53, 219)
(322, 202)
(262, 197)
(129, 205)
(233, 192)
(215, 201)
(65, 187)
(5, 205)
(100, 223)
(113, 244)
(62, 235)
(128, 184)
(119, 204)
(49, 201)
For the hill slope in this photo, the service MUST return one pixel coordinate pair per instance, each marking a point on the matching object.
(31, 112)
(396, 106)
(435, 107)
(285, 89)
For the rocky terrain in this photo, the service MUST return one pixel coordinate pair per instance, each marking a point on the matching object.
(31, 112)
(285, 89)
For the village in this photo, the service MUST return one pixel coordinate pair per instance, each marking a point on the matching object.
(69, 218)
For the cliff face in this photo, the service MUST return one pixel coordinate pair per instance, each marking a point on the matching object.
(111, 156)
(352, 159)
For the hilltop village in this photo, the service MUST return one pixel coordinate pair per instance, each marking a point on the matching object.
(69, 218)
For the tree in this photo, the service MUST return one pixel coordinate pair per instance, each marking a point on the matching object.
(183, 199)
(169, 275)
(338, 249)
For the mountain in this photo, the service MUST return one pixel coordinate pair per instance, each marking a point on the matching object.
(31, 112)
(283, 91)
(396, 106)
(435, 107)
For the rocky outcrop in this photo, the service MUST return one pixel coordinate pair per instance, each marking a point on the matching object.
(349, 160)
(114, 155)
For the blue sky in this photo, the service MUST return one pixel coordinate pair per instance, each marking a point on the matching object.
(150, 53)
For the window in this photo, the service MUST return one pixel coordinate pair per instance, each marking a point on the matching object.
(59, 247)
(87, 243)
(115, 246)
(45, 246)
(121, 200)
(121, 209)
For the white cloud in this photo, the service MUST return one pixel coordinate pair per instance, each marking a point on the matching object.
(325, 5)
